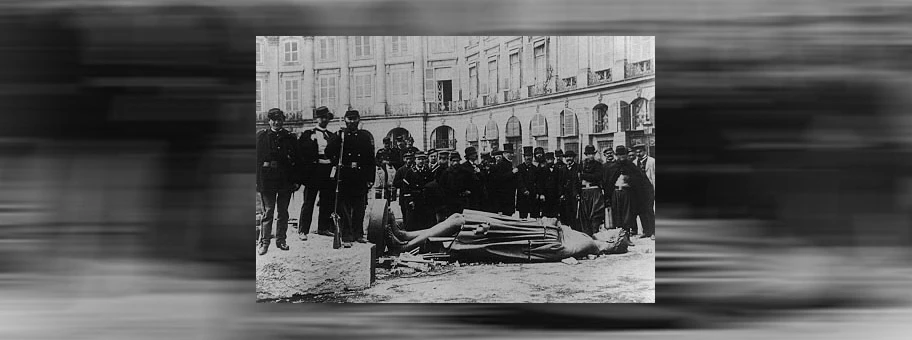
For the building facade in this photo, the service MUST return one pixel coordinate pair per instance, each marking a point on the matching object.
(557, 92)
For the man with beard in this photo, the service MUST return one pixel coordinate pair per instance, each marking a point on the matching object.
(412, 181)
(399, 182)
(570, 190)
(276, 161)
(549, 185)
(504, 182)
(356, 176)
(607, 157)
(397, 153)
(487, 180)
(411, 146)
(525, 185)
(443, 162)
(630, 193)
(317, 175)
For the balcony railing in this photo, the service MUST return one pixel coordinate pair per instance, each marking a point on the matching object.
(490, 99)
(470, 104)
(600, 77)
(536, 90)
(638, 69)
(398, 109)
(291, 116)
(435, 107)
(566, 84)
(444, 144)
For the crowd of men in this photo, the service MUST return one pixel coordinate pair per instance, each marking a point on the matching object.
(432, 185)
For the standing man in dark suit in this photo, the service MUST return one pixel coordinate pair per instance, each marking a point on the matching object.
(316, 175)
(504, 182)
(276, 181)
(525, 185)
(630, 194)
(570, 189)
(549, 185)
(405, 187)
(356, 176)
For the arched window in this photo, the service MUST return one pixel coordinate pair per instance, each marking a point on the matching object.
(539, 126)
(443, 138)
(491, 136)
(514, 136)
(624, 116)
(652, 111)
(600, 118)
(638, 113)
(472, 135)
(568, 123)
(539, 130)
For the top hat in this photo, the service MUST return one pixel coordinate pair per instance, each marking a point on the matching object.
(508, 148)
(589, 150)
(323, 112)
(539, 151)
(527, 151)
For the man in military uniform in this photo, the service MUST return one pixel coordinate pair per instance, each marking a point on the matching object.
(549, 186)
(316, 175)
(397, 152)
(411, 146)
(432, 158)
(414, 180)
(276, 161)
(387, 146)
(570, 189)
(454, 193)
(440, 168)
(356, 176)
(405, 186)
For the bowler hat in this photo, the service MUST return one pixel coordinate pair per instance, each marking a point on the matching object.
(620, 150)
(323, 112)
(275, 114)
(455, 155)
(352, 114)
(589, 150)
(470, 151)
(558, 153)
(571, 154)
(497, 153)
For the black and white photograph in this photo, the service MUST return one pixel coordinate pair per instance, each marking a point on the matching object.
(463, 169)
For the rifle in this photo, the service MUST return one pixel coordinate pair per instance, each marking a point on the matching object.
(337, 220)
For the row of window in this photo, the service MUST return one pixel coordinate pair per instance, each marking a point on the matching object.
(362, 86)
(363, 47)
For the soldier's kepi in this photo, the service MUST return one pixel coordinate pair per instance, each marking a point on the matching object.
(355, 177)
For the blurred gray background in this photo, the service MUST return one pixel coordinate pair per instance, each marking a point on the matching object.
(126, 166)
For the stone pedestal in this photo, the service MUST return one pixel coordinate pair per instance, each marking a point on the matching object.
(313, 267)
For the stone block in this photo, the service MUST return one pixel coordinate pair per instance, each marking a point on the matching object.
(313, 267)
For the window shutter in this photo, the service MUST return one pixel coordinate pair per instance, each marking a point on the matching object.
(430, 88)
(528, 63)
(611, 118)
(624, 117)
(652, 110)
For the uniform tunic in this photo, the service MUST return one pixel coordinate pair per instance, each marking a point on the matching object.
(355, 178)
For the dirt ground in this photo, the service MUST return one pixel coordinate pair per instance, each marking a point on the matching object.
(625, 278)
